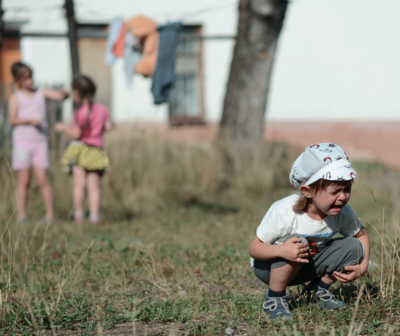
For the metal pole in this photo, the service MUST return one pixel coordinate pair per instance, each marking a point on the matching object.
(72, 35)
(1, 22)
(2, 97)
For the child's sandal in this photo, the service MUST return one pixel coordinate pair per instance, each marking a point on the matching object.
(78, 217)
(95, 220)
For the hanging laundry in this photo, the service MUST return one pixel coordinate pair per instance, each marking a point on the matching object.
(132, 55)
(113, 34)
(118, 49)
(147, 64)
(145, 30)
(164, 74)
(141, 26)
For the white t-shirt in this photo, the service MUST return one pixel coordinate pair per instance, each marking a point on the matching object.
(280, 221)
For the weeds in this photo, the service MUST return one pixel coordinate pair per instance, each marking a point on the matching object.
(171, 257)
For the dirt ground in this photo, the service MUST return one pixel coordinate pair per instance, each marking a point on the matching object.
(159, 329)
(136, 329)
(366, 140)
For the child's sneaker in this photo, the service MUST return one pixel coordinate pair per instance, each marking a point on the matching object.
(327, 300)
(323, 298)
(276, 306)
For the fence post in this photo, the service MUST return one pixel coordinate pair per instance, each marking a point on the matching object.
(54, 115)
(5, 126)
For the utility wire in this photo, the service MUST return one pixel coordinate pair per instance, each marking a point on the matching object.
(209, 8)
(49, 21)
(32, 9)
(212, 7)
(92, 10)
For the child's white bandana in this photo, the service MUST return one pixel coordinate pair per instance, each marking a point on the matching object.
(321, 161)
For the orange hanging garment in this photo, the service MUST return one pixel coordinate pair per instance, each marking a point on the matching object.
(141, 26)
(146, 30)
(118, 49)
(147, 64)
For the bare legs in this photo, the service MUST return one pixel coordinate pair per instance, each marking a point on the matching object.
(45, 188)
(329, 280)
(91, 181)
(79, 191)
(24, 180)
(42, 179)
(93, 186)
(82, 180)
(281, 276)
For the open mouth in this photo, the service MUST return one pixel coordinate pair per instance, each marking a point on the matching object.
(336, 207)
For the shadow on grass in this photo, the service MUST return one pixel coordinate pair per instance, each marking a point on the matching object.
(347, 293)
(208, 206)
(213, 207)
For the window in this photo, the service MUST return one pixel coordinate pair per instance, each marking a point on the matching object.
(186, 101)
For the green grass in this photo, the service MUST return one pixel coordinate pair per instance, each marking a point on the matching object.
(185, 267)
(171, 257)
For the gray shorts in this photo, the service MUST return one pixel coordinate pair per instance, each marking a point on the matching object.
(336, 254)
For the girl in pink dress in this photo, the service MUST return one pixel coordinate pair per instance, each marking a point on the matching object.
(27, 113)
(85, 155)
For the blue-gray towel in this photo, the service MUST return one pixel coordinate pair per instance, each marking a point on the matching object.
(164, 75)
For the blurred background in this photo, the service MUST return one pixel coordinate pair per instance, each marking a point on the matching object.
(334, 74)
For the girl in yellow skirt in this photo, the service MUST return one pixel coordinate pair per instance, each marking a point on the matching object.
(85, 156)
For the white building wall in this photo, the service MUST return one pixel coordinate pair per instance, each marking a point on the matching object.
(336, 60)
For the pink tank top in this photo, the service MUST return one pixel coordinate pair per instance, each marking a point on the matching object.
(92, 124)
(31, 107)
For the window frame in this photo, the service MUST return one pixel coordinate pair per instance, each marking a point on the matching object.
(199, 119)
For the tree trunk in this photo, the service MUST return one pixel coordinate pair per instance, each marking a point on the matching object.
(260, 22)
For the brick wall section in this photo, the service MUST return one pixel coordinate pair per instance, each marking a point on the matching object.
(371, 141)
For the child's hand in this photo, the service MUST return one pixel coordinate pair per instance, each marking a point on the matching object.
(60, 127)
(35, 122)
(293, 250)
(350, 273)
(64, 93)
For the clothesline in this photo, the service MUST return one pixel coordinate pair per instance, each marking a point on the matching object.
(102, 35)
(178, 14)
(33, 9)
(208, 9)
(181, 14)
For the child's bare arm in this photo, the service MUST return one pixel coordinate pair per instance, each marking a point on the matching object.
(108, 125)
(291, 250)
(13, 117)
(59, 95)
(354, 272)
(363, 237)
(74, 133)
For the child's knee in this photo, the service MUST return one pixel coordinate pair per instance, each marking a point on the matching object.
(80, 182)
(356, 249)
(42, 181)
(24, 182)
(276, 269)
(352, 252)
